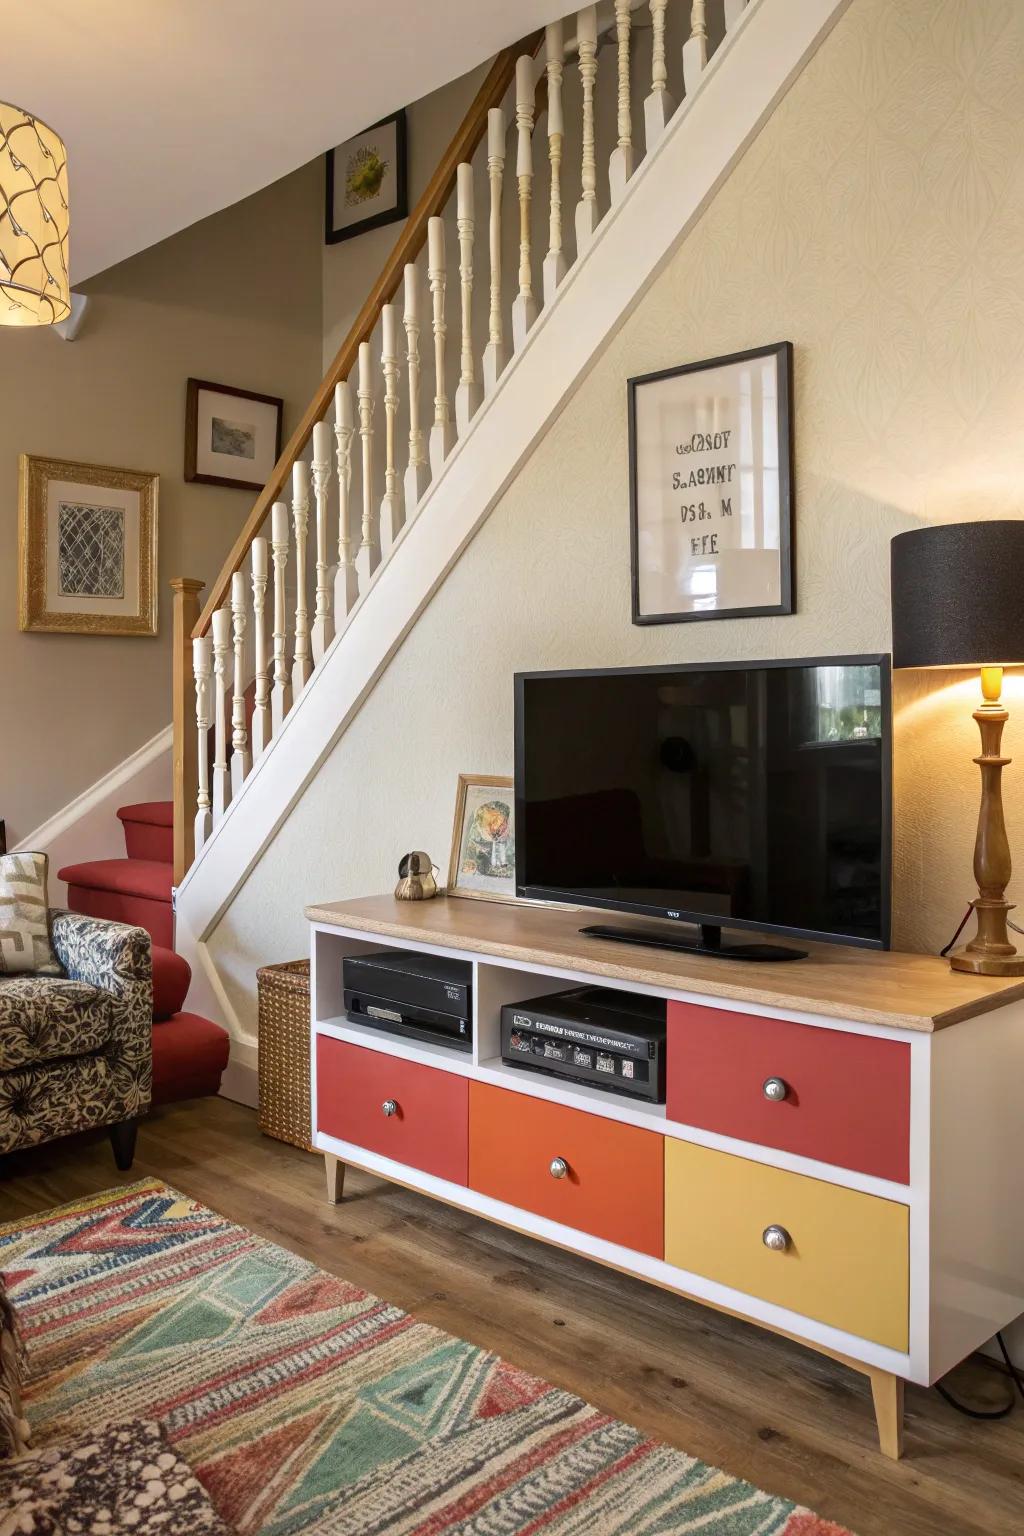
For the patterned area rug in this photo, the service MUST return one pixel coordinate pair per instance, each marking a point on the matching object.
(306, 1405)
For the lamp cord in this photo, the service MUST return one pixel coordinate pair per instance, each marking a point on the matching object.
(1016, 1379)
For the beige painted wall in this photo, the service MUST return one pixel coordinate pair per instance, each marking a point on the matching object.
(878, 222)
(235, 299)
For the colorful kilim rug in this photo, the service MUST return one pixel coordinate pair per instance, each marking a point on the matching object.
(306, 1405)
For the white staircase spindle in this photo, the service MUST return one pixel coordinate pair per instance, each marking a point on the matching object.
(302, 664)
(524, 308)
(495, 356)
(241, 760)
(392, 515)
(659, 106)
(202, 668)
(323, 620)
(586, 208)
(281, 692)
(467, 396)
(221, 712)
(261, 709)
(346, 582)
(442, 433)
(695, 49)
(733, 11)
(368, 557)
(620, 167)
(554, 261)
(417, 474)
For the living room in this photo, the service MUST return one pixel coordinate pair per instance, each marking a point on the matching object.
(608, 506)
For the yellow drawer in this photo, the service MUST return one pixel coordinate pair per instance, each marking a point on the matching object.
(843, 1259)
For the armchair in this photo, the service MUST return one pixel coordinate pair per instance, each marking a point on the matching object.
(76, 1050)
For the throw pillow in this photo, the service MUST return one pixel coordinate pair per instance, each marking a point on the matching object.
(25, 916)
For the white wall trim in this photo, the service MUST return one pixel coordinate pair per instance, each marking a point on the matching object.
(663, 200)
(87, 827)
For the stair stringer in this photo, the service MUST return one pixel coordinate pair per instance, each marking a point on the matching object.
(748, 76)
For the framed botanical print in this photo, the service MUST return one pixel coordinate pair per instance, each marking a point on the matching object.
(483, 857)
(367, 181)
(87, 548)
(711, 488)
(232, 436)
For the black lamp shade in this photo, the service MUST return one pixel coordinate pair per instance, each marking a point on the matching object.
(958, 595)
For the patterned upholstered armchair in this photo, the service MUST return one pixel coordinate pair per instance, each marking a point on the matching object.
(76, 1049)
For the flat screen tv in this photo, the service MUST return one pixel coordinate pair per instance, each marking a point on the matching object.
(726, 796)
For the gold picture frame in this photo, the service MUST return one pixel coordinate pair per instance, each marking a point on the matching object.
(474, 799)
(87, 548)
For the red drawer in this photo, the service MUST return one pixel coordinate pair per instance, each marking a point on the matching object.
(613, 1181)
(847, 1097)
(428, 1127)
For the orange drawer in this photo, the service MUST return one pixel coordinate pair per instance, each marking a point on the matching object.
(611, 1181)
(827, 1252)
(415, 1114)
(838, 1097)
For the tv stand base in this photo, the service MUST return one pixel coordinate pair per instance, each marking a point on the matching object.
(707, 942)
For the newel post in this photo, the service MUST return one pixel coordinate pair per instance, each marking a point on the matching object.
(184, 757)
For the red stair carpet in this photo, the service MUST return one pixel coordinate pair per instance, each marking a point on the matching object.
(189, 1052)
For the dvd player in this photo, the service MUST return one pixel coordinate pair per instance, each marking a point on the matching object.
(420, 996)
(595, 1035)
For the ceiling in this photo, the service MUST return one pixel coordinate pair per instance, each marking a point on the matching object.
(172, 109)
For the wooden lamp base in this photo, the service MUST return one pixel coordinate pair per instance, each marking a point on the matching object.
(990, 952)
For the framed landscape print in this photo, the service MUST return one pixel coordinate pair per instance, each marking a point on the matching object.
(483, 857)
(232, 436)
(87, 548)
(711, 488)
(367, 182)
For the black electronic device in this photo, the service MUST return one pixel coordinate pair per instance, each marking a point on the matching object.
(420, 996)
(722, 795)
(596, 1035)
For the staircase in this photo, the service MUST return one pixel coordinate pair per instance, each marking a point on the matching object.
(496, 300)
(189, 1052)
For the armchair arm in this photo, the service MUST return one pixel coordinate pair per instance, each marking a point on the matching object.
(118, 959)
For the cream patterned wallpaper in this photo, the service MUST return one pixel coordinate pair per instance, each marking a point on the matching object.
(878, 223)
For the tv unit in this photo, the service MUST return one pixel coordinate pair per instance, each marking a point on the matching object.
(728, 795)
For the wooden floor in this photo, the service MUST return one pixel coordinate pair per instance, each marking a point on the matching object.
(762, 1408)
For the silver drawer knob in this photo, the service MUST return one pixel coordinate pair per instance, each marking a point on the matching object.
(775, 1238)
(559, 1168)
(775, 1089)
(389, 1108)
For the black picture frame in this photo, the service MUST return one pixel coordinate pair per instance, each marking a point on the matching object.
(782, 351)
(394, 215)
(193, 389)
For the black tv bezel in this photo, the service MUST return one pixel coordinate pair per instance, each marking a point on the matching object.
(681, 915)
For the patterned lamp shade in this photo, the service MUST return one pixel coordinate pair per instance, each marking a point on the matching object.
(34, 287)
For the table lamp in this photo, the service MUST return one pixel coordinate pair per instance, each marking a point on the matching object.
(958, 601)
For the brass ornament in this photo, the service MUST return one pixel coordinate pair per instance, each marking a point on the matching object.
(416, 877)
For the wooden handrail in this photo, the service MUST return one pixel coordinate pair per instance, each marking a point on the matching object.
(411, 241)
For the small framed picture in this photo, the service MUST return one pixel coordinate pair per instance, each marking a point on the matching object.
(483, 858)
(367, 183)
(87, 548)
(711, 488)
(232, 436)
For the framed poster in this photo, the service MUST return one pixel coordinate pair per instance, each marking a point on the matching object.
(483, 857)
(87, 548)
(232, 436)
(711, 488)
(367, 182)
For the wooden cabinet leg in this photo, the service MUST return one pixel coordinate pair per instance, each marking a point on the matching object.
(887, 1394)
(335, 1171)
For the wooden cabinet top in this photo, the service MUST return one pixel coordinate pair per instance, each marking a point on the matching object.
(903, 991)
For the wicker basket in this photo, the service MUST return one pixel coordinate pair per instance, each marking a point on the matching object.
(284, 1109)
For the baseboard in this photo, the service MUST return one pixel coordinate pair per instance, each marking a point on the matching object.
(87, 827)
(240, 1084)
